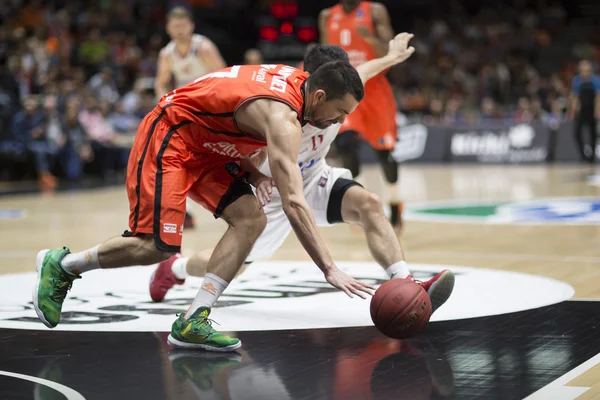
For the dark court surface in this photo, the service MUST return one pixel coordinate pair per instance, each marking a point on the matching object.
(501, 357)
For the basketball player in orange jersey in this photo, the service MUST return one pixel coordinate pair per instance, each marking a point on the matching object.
(186, 57)
(331, 194)
(363, 30)
(194, 143)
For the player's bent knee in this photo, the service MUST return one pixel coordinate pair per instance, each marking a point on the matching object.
(252, 223)
(146, 249)
(371, 205)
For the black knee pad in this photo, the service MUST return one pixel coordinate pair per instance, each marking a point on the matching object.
(388, 164)
(347, 145)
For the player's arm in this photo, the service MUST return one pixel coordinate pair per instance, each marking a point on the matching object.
(263, 184)
(383, 30)
(398, 52)
(283, 143)
(163, 76)
(283, 133)
(259, 157)
(211, 56)
(323, 17)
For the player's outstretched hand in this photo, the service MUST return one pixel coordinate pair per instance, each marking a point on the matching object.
(399, 49)
(264, 189)
(348, 284)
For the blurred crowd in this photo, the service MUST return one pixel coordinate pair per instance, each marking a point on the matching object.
(75, 80)
(476, 65)
(76, 77)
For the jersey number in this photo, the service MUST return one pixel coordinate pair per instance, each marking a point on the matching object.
(232, 73)
(345, 37)
(316, 141)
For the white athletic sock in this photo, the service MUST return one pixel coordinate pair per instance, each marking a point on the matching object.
(210, 291)
(81, 262)
(179, 268)
(398, 270)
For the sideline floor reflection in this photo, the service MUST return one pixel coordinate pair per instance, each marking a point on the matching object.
(500, 357)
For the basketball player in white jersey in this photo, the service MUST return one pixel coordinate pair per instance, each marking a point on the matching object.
(186, 57)
(331, 193)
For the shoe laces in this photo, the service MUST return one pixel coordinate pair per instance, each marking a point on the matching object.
(202, 326)
(61, 289)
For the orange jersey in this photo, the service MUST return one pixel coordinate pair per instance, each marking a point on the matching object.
(375, 117)
(209, 104)
(342, 31)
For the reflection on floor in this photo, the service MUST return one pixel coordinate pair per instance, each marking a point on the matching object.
(501, 357)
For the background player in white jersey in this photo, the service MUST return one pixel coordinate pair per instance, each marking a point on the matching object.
(186, 57)
(331, 193)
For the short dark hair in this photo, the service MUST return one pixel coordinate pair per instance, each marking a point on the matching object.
(337, 78)
(180, 12)
(321, 54)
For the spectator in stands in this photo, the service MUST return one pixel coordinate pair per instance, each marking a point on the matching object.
(100, 133)
(125, 126)
(104, 86)
(490, 110)
(9, 99)
(524, 111)
(29, 126)
(74, 146)
(94, 50)
(147, 103)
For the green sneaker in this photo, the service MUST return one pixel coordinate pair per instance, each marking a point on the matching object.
(51, 286)
(197, 333)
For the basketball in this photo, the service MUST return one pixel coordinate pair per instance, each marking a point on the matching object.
(400, 308)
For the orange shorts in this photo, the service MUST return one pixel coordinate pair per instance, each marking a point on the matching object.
(375, 117)
(162, 171)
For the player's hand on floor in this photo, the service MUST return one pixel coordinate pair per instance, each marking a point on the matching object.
(264, 189)
(399, 49)
(348, 284)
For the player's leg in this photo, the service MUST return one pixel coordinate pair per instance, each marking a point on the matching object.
(176, 269)
(351, 203)
(380, 131)
(389, 168)
(232, 199)
(347, 145)
(189, 219)
(156, 186)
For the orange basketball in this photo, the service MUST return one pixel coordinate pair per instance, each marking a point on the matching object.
(400, 308)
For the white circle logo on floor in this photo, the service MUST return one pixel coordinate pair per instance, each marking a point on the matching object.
(268, 296)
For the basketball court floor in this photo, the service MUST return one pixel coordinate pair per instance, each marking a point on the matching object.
(523, 322)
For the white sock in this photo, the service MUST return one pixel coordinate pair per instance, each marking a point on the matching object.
(179, 268)
(398, 270)
(210, 291)
(81, 262)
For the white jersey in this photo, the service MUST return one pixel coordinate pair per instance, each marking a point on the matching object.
(319, 180)
(313, 149)
(189, 67)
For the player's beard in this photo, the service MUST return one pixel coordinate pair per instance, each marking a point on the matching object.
(322, 124)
